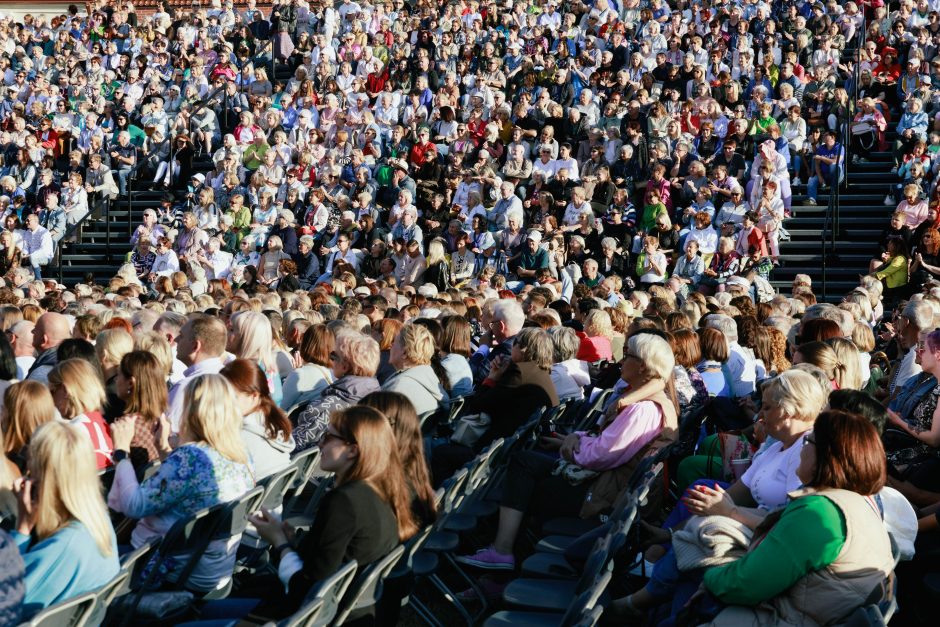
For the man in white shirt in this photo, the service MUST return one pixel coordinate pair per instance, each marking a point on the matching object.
(37, 244)
(916, 318)
(217, 263)
(200, 345)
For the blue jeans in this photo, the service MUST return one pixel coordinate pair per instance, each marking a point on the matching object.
(830, 174)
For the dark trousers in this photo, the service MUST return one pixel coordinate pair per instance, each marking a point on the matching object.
(531, 487)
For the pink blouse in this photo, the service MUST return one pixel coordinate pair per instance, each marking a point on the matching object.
(635, 427)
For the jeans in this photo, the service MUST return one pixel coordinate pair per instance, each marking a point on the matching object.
(830, 173)
(123, 175)
(36, 261)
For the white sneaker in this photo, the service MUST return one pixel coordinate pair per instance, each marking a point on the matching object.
(810, 201)
(797, 182)
(889, 200)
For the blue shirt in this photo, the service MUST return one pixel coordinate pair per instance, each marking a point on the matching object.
(64, 565)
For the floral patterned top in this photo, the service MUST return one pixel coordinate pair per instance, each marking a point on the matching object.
(921, 420)
(193, 477)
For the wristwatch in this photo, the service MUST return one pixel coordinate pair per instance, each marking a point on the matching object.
(119, 455)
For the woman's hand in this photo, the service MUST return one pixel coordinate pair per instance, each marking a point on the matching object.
(569, 446)
(704, 501)
(269, 527)
(122, 432)
(25, 517)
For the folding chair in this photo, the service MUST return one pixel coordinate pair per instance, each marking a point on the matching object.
(277, 485)
(583, 612)
(323, 601)
(307, 463)
(554, 565)
(106, 594)
(71, 613)
(558, 594)
(366, 589)
(189, 538)
(561, 533)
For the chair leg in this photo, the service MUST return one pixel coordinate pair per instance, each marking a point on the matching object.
(424, 612)
(451, 598)
(473, 583)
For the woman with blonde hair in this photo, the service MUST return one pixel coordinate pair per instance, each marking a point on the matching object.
(141, 385)
(270, 260)
(208, 466)
(154, 343)
(823, 356)
(27, 405)
(79, 396)
(848, 355)
(251, 337)
(596, 337)
(110, 347)
(63, 529)
(411, 354)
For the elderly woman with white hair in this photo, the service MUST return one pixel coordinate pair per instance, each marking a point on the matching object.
(354, 362)
(642, 427)
(569, 374)
(149, 230)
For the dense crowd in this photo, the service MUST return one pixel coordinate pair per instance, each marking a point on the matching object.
(373, 212)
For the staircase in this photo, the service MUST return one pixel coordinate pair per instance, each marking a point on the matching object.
(104, 246)
(862, 217)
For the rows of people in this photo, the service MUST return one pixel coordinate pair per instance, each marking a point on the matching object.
(373, 210)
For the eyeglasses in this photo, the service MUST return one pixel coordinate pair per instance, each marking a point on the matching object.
(629, 355)
(329, 435)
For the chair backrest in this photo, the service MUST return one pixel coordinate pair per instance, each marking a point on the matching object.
(366, 589)
(591, 410)
(226, 521)
(71, 613)
(588, 618)
(306, 463)
(323, 600)
(133, 563)
(453, 491)
(106, 594)
(276, 486)
(480, 467)
(586, 602)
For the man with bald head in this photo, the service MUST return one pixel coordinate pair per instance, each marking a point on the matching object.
(21, 337)
(51, 330)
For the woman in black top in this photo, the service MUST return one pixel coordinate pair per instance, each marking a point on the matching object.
(363, 518)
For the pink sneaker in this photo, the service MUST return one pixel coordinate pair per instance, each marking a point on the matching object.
(489, 559)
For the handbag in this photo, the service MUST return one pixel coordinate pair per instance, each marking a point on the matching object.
(572, 473)
(861, 128)
(469, 429)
